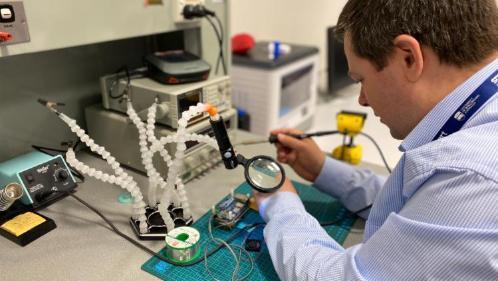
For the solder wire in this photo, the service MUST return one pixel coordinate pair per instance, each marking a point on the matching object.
(229, 247)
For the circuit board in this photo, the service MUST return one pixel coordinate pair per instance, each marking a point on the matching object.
(230, 210)
(320, 205)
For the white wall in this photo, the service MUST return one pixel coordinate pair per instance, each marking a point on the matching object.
(293, 21)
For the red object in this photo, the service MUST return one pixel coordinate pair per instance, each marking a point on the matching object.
(5, 36)
(242, 43)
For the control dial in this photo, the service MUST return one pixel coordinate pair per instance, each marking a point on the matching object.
(61, 175)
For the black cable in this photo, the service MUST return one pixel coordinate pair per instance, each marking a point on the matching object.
(150, 251)
(380, 150)
(220, 42)
(43, 148)
(343, 147)
(219, 37)
(345, 217)
(129, 75)
(116, 81)
(221, 56)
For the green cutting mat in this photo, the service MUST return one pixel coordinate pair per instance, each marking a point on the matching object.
(321, 206)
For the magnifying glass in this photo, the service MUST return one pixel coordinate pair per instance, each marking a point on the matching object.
(262, 173)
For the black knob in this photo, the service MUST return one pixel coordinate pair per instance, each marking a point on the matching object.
(62, 175)
(41, 196)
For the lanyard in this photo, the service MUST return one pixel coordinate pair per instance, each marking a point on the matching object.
(470, 106)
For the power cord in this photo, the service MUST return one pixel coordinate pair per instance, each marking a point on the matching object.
(378, 149)
(199, 11)
(129, 75)
(219, 34)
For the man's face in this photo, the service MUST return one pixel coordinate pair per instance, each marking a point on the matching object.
(384, 91)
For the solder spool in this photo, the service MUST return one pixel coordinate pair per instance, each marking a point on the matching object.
(182, 244)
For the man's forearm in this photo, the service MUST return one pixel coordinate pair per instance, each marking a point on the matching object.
(355, 188)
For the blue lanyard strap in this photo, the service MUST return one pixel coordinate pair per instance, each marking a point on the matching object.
(470, 106)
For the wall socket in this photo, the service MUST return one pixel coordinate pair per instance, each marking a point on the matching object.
(178, 8)
(13, 23)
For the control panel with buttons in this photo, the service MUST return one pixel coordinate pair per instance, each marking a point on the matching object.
(47, 180)
(13, 23)
(44, 178)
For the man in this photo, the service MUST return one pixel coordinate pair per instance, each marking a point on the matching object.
(429, 70)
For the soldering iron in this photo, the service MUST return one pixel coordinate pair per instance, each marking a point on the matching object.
(349, 124)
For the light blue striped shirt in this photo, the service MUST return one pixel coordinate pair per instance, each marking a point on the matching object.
(434, 218)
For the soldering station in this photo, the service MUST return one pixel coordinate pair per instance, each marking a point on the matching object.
(164, 123)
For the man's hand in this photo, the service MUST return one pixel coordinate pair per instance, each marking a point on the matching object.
(286, 187)
(304, 156)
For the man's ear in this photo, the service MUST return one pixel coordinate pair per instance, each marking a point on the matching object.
(408, 53)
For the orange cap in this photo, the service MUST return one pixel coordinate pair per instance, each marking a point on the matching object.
(211, 110)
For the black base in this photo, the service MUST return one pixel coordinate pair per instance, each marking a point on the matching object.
(32, 234)
(155, 223)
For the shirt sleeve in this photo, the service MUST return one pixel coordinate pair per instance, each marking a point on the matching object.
(450, 242)
(355, 188)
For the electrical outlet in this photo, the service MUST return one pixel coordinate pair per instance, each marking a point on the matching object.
(178, 8)
(13, 24)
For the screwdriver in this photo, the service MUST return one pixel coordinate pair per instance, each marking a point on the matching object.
(273, 138)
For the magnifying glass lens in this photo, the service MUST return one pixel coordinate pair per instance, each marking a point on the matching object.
(264, 173)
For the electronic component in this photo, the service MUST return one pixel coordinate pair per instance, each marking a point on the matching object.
(176, 67)
(255, 240)
(230, 210)
(172, 99)
(44, 178)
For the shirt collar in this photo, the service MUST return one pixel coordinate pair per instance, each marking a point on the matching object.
(426, 129)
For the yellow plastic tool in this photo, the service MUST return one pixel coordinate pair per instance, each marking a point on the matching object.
(351, 154)
(350, 124)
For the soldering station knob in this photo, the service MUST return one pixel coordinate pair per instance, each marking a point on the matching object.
(62, 175)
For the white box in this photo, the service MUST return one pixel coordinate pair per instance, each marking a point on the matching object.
(278, 93)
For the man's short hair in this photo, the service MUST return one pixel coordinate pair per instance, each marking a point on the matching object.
(460, 32)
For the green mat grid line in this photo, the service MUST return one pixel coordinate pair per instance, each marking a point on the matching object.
(321, 206)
